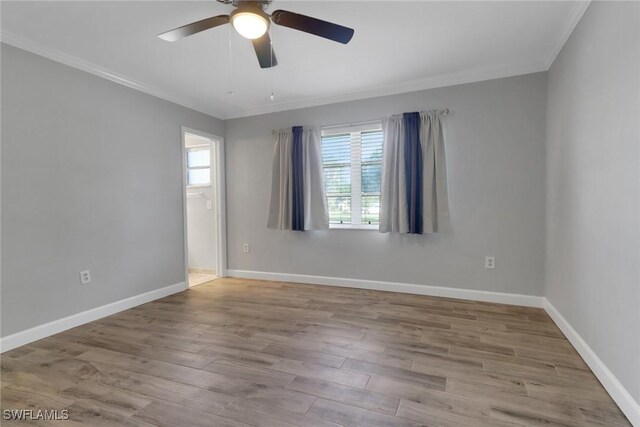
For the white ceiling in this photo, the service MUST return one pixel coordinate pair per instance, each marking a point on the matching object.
(398, 47)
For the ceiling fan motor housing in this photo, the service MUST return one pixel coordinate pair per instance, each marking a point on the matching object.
(252, 22)
(257, 4)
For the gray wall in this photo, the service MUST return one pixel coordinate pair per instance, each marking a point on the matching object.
(593, 185)
(91, 179)
(495, 154)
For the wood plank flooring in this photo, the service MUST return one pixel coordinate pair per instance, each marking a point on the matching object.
(239, 352)
(199, 277)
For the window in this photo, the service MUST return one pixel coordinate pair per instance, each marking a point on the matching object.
(352, 164)
(199, 166)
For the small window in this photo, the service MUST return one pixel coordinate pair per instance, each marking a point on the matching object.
(199, 166)
(352, 164)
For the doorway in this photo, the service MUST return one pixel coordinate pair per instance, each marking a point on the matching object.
(205, 251)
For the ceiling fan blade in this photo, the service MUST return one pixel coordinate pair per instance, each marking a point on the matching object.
(266, 57)
(194, 27)
(314, 26)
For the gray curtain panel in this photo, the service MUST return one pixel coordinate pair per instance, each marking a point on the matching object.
(394, 214)
(316, 214)
(394, 206)
(281, 182)
(435, 212)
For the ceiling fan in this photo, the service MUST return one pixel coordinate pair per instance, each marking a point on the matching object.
(252, 22)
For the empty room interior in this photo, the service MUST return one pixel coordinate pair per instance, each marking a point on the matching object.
(320, 213)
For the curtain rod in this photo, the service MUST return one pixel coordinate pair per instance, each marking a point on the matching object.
(444, 112)
(341, 125)
(369, 122)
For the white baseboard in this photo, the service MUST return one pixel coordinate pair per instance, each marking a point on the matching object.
(614, 387)
(620, 395)
(406, 288)
(30, 335)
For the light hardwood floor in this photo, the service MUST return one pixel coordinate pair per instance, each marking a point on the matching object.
(242, 352)
(198, 278)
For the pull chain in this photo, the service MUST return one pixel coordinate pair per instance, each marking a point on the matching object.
(231, 91)
(273, 97)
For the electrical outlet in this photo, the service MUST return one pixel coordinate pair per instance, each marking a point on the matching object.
(246, 248)
(209, 204)
(490, 262)
(85, 277)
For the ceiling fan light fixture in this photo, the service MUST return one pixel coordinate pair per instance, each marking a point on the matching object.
(250, 24)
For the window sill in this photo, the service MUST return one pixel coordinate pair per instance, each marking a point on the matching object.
(365, 227)
(199, 186)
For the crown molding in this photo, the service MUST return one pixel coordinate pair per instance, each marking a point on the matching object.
(417, 85)
(413, 86)
(89, 67)
(579, 9)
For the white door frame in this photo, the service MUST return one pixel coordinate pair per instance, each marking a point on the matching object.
(221, 205)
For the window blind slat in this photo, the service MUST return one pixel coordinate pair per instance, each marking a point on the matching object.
(371, 146)
(338, 179)
(371, 178)
(356, 155)
(336, 149)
